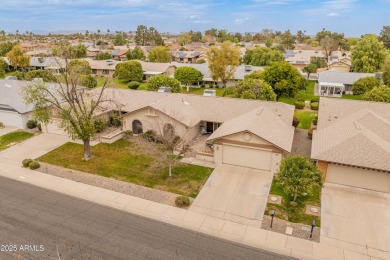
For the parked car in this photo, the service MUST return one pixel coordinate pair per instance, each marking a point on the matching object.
(164, 90)
(209, 93)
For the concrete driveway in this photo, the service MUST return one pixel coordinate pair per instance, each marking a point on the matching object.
(235, 193)
(34, 147)
(7, 129)
(357, 216)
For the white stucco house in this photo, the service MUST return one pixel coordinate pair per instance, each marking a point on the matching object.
(13, 110)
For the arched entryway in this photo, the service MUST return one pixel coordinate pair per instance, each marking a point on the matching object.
(137, 127)
(168, 131)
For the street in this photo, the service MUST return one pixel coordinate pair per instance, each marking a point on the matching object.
(36, 223)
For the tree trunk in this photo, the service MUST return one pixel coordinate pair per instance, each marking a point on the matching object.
(188, 87)
(87, 150)
(295, 197)
(170, 169)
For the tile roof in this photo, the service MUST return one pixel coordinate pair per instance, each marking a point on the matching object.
(353, 133)
(263, 123)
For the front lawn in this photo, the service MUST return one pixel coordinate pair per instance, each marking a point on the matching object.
(199, 91)
(13, 138)
(294, 213)
(126, 160)
(306, 118)
(353, 97)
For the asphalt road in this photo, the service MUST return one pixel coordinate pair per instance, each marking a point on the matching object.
(36, 223)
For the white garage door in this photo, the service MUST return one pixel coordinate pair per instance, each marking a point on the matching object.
(53, 128)
(10, 118)
(247, 157)
(357, 177)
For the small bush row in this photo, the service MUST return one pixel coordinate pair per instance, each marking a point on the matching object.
(30, 163)
(182, 201)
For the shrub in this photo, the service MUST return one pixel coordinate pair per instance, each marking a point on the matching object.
(310, 133)
(202, 86)
(150, 136)
(315, 121)
(34, 165)
(26, 162)
(115, 120)
(39, 127)
(314, 106)
(299, 104)
(1, 125)
(315, 99)
(133, 85)
(163, 80)
(98, 125)
(363, 85)
(31, 124)
(129, 132)
(88, 81)
(182, 201)
(296, 121)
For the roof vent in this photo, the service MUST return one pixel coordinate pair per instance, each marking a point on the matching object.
(110, 62)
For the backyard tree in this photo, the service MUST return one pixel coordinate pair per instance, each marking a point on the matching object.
(3, 67)
(75, 52)
(251, 89)
(368, 55)
(103, 56)
(129, 70)
(384, 36)
(298, 175)
(320, 62)
(163, 80)
(311, 68)
(364, 85)
(328, 45)
(386, 72)
(378, 94)
(188, 75)
(73, 105)
(262, 56)
(284, 79)
(136, 54)
(17, 58)
(223, 61)
(160, 54)
(288, 40)
(6, 47)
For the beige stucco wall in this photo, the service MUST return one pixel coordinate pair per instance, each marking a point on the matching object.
(155, 120)
(341, 67)
(271, 153)
(358, 177)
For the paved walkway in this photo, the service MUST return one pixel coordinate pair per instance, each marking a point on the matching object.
(235, 193)
(225, 229)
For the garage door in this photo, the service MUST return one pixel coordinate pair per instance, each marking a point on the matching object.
(10, 118)
(357, 177)
(53, 128)
(247, 157)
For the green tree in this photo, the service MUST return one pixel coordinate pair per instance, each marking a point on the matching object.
(5, 47)
(223, 61)
(257, 74)
(73, 105)
(136, 54)
(163, 80)
(141, 35)
(301, 36)
(119, 39)
(129, 71)
(368, 55)
(17, 58)
(384, 36)
(196, 36)
(318, 61)
(311, 68)
(262, 56)
(378, 94)
(79, 67)
(188, 75)
(284, 79)
(45, 75)
(103, 56)
(3, 65)
(288, 40)
(298, 176)
(88, 81)
(364, 85)
(73, 52)
(160, 54)
(250, 88)
(386, 72)
(184, 38)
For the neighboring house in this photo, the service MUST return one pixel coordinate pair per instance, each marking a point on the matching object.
(105, 68)
(53, 64)
(334, 83)
(40, 53)
(13, 110)
(239, 74)
(301, 58)
(341, 65)
(155, 68)
(352, 143)
(248, 133)
(187, 56)
(120, 54)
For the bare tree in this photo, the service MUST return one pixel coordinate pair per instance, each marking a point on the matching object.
(74, 105)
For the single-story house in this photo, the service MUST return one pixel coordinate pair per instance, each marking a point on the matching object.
(239, 74)
(352, 143)
(154, 68)
(104, 68)
(249, 133)
(188, 56)
(13, 110)
(341, 65)
(334, 83)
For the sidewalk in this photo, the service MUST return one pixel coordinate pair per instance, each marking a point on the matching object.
(224, 229)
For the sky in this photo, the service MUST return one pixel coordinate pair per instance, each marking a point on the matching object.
(352, 17)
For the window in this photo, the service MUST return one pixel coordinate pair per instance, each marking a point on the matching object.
(106, 72)
(137, 127)
(168, 131)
